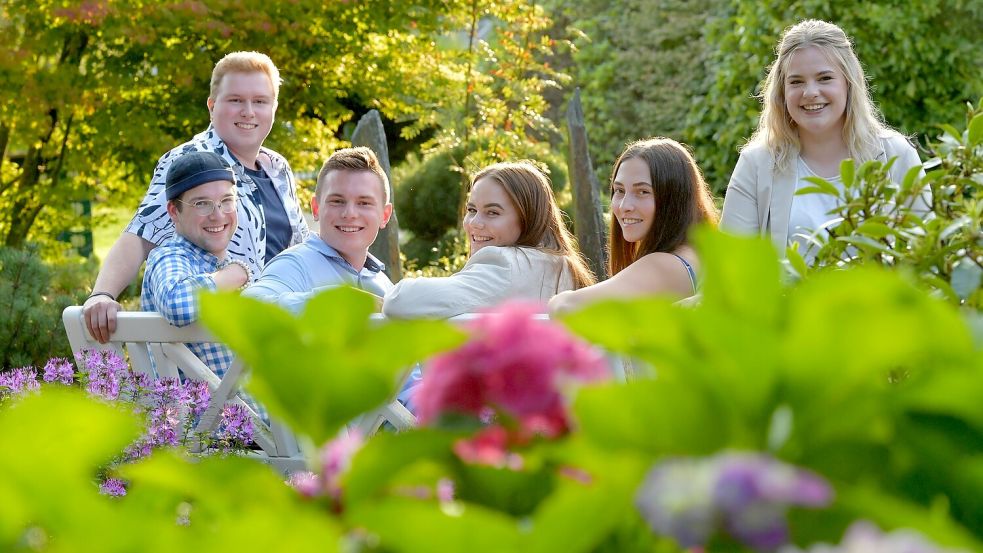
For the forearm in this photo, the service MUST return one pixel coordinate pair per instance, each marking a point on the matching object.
(122, 264)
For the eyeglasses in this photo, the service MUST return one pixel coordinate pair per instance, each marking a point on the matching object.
(205, 208)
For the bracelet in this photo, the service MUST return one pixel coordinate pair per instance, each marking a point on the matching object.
(239, 262)
(107, 294)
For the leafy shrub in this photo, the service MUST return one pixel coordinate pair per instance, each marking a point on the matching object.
(33, 293)
(917, 81)
(881, 222)
(639, 65)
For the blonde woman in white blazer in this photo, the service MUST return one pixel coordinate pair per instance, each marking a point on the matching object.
(817, 112)
(519, 249)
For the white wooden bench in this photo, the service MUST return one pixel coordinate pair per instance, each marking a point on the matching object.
(141, 335)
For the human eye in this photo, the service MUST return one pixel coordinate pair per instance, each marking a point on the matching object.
(228, 204)
(619, 191)
(202, 205)
(336, 201)
(472, 210)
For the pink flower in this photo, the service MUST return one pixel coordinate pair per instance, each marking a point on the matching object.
(488, 447)
(515, 366)
(336, 457)
(306, 483)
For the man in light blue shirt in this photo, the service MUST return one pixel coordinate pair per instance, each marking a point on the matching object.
(351, 204)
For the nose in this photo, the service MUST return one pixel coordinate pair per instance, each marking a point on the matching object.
(247, 109)
(812, 89)
(626, 203)
(349, 211)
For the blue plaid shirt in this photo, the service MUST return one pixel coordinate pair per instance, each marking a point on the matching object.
(176, 270)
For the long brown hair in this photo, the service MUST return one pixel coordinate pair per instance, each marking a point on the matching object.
(682, 199)
(539, 217)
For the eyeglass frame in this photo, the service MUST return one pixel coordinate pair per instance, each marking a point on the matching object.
(233, 199)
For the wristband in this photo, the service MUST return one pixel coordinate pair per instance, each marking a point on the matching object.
(249, 272)
(107, 294)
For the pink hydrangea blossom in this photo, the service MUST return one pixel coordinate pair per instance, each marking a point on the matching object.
(336, 457)
(516, 367)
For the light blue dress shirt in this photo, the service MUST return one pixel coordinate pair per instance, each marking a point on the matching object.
(298, 273)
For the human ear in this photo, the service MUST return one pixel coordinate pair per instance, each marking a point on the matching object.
(314, 207)
(387, 212)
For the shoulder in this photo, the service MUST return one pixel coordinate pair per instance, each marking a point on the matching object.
(494, 255)
(895, 143)
(756, 152)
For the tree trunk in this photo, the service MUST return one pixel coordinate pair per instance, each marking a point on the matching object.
(588, 220)
(369, 133)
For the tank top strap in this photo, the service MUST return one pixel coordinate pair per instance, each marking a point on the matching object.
(689, 269)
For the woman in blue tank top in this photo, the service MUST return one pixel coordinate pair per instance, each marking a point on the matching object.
(657, 195)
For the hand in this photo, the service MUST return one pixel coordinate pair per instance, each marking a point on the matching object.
(100, 316)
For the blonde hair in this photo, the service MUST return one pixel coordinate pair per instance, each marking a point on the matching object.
(682, 199)
(245, 62)
(863, 125)
(540, 218)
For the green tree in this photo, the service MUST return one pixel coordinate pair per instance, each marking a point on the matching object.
(92, 93)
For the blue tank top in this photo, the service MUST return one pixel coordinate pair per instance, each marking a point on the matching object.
(689, 269)
(278, 231)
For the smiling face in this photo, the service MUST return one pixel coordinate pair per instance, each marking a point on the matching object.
(633, 199)
(815, 94)
(492, 218)
(209, 232)
(242, 111)
(350, 212)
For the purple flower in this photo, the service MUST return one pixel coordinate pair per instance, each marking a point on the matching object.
(20, 380)
(113, 487)
(169, 391)
(59, 370)
(236, 425)
(198, 396)
(138, 450)
(744, 494)
(164, 422)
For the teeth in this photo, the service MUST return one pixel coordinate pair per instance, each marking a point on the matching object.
(814, 107)
(349, 229)
(630, 221)
(247, 125)
(215, 229)
(481, 238)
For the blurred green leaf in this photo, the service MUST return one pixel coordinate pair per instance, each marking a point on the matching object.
(975, 131)
(53, 444)
(847, 172)
(232, 504)
(319, 371)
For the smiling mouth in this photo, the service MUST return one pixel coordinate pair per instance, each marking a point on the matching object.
(626, 222)
(247, 126)
(813, 107)
(349, 230)
(481, 238)
(216, 230)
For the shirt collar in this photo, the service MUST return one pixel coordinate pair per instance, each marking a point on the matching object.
(372, 263)
(198, 251)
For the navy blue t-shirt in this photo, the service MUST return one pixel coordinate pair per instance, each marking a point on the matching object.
(277, 224)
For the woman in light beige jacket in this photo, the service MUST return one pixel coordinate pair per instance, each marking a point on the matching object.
(817, 112)
(519, 249)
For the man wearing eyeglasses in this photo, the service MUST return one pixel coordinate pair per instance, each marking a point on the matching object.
(201, 202)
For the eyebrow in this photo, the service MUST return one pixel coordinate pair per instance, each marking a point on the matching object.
(486, 206)
(360, 197)
(823, 72)
(196, 198)
(634, 184)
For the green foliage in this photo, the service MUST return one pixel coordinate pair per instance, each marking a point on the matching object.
(922, 59)
(33, 293)
(835, 375)
(894, 224)
(640, 65)
(91, 94)
(320, 370)
(857, 375)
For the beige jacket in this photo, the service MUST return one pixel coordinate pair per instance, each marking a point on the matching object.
(492, 275)
(759, 199)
